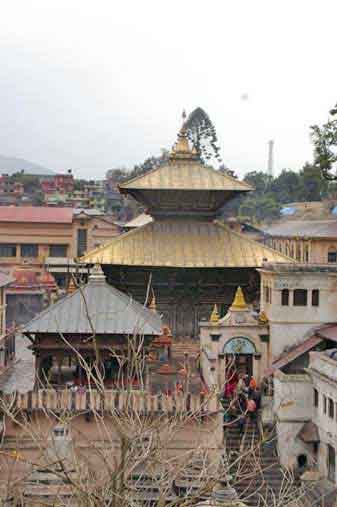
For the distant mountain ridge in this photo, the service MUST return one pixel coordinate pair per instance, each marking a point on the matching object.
(11, 165)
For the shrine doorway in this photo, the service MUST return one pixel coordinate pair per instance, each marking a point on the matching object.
(239, 363)
(239, 353)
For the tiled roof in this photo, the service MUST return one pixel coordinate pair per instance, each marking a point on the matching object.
(304, 228)
(188, 244)
(109, 310)
(38, 214)
(185, 175)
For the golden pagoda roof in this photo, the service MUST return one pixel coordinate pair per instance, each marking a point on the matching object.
(186, 244)
(185, 174)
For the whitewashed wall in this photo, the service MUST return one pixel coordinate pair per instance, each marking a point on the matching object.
(292, 408)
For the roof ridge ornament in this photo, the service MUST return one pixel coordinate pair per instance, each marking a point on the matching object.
(215, 315)
(153, 303)
(97, 274)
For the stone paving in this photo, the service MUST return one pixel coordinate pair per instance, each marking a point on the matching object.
(20, 377)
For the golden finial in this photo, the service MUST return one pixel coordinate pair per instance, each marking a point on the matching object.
(239, 302)
(153, 305)
(215, 315)
(182, 146)
(263, 319)
(194, 150)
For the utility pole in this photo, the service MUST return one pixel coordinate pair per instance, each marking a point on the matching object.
(271, 158)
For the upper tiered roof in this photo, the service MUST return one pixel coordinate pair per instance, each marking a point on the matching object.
(184, 184)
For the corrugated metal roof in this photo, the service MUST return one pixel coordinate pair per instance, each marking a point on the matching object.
(185, 175)
(293, 354)
(304, 228)
(110, 312)
(37, 214)
(329, 332)
(188, 244)
(5, 279)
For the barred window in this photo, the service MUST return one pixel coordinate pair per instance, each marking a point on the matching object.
(29, 250)
(300, 297)
(285, 297)
(7, 250)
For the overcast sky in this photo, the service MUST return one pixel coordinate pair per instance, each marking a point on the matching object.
(94, 85)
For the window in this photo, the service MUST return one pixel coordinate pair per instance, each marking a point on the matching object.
(285, 297)
(332, 255)
(58, 250)
(315, 297)
(7, 250)
(300, 297)
(331, 408)
(331, 464)
(324, 404)
(29, 250)
(306, 253)
(316, 398)
(81, 241)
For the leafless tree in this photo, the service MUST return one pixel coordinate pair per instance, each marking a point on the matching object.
(126, 447)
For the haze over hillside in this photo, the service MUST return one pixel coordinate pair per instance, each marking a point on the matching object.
(11, 165)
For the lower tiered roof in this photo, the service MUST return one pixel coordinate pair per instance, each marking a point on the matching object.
(184, 244)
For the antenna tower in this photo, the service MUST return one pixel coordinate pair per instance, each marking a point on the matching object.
(271, 158)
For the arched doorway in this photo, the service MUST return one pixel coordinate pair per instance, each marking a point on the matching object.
(239, 352)
(331, 464)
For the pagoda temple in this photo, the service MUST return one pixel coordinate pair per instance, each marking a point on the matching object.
(184, 256)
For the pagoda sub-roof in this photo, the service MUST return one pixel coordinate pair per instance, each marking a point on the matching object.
(185, 174)
(97, 306)
(184, 244)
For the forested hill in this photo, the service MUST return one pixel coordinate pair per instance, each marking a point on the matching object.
(272, 193)
(11, 165)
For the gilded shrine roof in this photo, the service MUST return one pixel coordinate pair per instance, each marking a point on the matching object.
(184, 244)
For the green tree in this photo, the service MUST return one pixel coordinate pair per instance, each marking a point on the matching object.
(286, 186)
(325, 146)
(313, 186)
(259, 180)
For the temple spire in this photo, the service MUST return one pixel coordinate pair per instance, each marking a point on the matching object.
(182, 147)
(239, 302)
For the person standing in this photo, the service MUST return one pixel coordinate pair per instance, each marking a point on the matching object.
(251, 408)
(256, 395)
(252, 386)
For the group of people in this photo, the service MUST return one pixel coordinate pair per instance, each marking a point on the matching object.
(244, 396)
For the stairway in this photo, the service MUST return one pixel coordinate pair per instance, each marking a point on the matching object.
(254, 466)
(321, 494)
